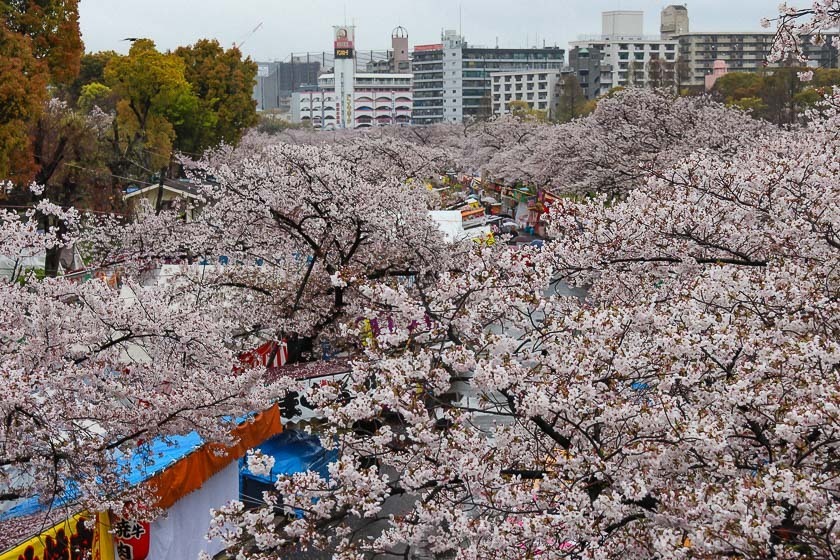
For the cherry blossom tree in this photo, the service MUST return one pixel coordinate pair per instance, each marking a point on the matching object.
(628, 135)
(680, 404)
(795, 25)
(91, 371)
(298, 227)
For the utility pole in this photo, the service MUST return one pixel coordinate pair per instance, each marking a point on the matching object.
(159, 200)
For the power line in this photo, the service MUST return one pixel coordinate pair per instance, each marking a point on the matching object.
(107, 173)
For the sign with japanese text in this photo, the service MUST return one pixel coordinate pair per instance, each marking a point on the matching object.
(344, 38)
(132, 539)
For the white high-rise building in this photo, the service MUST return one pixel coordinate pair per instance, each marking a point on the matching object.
(622, 23)
(538, 89)
(345, 98)
(628, 57)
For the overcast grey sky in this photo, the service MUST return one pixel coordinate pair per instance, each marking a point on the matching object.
(306, 25)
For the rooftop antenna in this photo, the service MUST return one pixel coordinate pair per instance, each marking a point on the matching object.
(460, 22)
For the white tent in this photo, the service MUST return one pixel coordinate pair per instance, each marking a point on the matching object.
(452, 226)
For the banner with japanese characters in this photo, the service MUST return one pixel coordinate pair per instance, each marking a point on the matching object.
(131, 538)
(64, 540)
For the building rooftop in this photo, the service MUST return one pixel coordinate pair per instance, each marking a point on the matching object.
(372, 75)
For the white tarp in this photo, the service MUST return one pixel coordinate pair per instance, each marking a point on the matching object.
(451, 224)
(179, 533)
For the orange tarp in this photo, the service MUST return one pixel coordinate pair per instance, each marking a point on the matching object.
(191, 472)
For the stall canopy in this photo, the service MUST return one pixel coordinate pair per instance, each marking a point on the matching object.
(171, 467)
(293, 452)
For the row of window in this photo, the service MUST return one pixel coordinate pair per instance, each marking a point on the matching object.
(557, 55)
(519, 97)
(518, 87)
(530, 77)
(360, 108)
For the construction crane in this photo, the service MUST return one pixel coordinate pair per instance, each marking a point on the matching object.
(248, 36)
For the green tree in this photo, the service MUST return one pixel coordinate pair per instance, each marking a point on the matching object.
(753, 105)
(778, 91)
(521, 110)
(96, 94)
(224, 84)
(778, 96)
(737, 85)
(572, 102)
(91, 70)
(826, 77)
(154, 100)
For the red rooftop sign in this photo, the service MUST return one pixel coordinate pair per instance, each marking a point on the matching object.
(435, 47)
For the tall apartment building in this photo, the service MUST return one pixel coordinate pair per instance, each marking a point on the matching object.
(538, 89)
(452, 80)
(627, 56)
(586, 65)
(742, 52)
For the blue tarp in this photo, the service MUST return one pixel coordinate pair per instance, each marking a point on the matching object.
(146, 461)
(293, 452)
(143, 463)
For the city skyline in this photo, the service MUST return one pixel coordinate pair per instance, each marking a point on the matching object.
(299, 27)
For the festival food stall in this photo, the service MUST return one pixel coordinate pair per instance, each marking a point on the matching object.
(187, 477)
